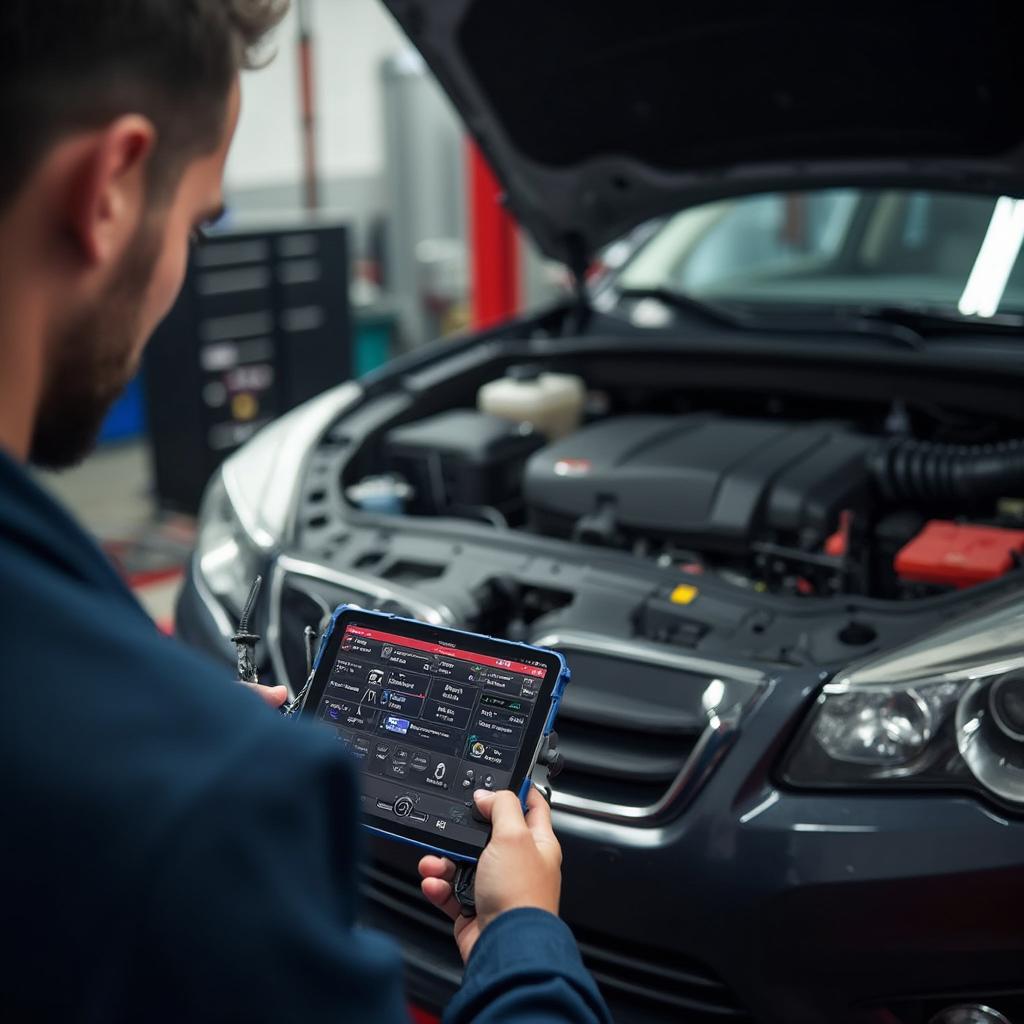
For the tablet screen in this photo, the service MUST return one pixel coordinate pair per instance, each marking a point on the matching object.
(433, 715)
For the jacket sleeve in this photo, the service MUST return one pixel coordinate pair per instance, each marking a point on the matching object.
(250, 910)
(526, 967)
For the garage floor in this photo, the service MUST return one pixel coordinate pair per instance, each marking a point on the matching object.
(111, 494)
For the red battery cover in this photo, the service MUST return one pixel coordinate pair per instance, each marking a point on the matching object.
(958, 555)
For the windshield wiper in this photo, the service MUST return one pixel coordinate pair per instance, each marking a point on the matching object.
(932, 320)
(681, 303)
(785, 321)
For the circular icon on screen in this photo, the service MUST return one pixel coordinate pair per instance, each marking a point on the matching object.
(477, 750)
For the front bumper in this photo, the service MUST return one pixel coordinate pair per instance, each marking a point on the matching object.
(756, 903)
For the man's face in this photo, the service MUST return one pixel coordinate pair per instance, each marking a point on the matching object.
(94, 357)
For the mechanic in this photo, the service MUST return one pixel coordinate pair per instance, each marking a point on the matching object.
(171, 849)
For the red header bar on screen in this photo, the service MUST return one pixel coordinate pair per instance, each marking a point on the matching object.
(451, 652)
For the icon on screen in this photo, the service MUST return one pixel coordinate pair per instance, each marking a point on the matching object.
(387, 652)
(477, 749)
(399, 725)
(376, 677)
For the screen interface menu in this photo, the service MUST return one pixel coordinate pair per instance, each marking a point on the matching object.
(430, 722)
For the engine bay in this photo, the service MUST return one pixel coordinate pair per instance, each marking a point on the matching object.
(767, 514)
(889, 504)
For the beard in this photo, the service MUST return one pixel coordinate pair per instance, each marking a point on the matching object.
(92, 362)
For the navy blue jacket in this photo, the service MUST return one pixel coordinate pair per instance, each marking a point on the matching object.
(170, 849)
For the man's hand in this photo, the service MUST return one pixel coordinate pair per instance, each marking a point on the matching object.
(275, 696)
(520, 867)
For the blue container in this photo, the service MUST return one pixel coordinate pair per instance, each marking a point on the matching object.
(127, 417)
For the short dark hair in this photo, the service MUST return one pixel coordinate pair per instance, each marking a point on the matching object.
(68, 65)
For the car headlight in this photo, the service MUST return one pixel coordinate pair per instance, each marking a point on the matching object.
(946, 712)
(883, 730)
(990, 734)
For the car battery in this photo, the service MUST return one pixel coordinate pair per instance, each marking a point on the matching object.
(959, 555)
(462, 460)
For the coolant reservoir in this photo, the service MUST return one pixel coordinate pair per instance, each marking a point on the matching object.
(551, 402)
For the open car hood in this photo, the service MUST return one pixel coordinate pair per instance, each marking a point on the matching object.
(596, 116)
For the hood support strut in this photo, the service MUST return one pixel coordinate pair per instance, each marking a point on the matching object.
(579, 263)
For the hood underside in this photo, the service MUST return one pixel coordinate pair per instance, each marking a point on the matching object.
(597, 116)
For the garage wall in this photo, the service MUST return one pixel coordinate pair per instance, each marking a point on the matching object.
(264, 172)
(352, 39)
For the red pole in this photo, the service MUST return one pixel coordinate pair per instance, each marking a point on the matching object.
(308, 100)
(494, 247)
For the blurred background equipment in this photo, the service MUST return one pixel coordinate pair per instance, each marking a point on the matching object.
(424, 183)
(261, 325)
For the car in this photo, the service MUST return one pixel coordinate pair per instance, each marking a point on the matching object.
(762, 484)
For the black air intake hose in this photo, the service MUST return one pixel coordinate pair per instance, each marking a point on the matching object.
(957, 475)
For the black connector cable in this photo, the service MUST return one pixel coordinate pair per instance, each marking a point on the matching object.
(296, 703)
(244, 641)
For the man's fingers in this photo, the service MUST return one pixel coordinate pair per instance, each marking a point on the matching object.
(437, 867)
(436, 890)
(505, 812)
(538, 815)
(484, 800)
(440, 894)
(275, 696)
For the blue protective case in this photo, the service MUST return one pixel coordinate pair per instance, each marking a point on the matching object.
(556, 698)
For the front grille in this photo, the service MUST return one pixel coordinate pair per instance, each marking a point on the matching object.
(626, 728)
(626, 763)
(394, 904)
(655, 984)
(641, 985)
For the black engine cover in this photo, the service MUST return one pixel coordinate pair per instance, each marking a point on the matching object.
(705, 480)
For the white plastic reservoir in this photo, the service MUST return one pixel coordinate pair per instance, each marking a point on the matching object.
(551, 402)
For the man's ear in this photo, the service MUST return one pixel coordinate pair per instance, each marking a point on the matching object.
(108, 195)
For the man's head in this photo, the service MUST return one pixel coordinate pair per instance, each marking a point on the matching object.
(117, 116)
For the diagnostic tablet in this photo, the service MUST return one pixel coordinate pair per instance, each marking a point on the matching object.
(433, 714)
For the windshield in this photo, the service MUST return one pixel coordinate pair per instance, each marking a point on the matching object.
(841, 247)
